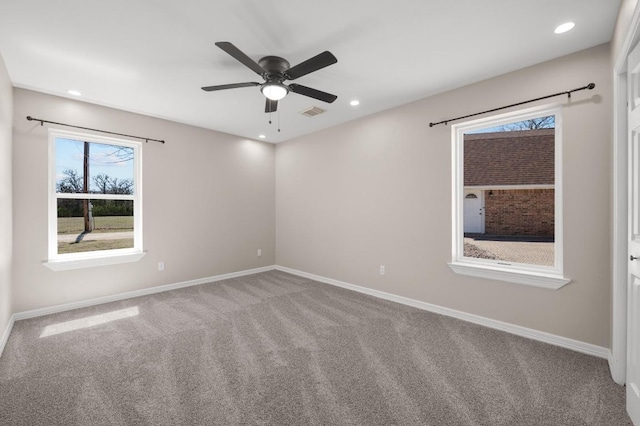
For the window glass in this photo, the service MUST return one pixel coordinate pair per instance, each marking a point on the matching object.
(110, 225)
(95, 197)
(110, 167)
(512, 167)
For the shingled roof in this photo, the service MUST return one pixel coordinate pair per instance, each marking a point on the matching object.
(509, 158)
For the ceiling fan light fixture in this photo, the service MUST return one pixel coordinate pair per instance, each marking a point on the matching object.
(274, 91)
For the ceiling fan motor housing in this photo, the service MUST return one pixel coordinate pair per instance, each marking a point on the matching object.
(275, 66)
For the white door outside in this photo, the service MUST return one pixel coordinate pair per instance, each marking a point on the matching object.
(473, 214)
(633, 286)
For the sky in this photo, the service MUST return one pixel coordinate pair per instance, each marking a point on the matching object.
(501, 128)
(104, 159)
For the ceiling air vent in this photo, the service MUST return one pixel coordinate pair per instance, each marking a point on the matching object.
(312, 111)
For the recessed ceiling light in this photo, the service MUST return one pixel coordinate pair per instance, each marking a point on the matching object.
(74, 92)
(354, 102)
(262, 136)
(564, 27)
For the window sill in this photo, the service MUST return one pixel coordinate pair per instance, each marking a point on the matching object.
(536, 279)
(65, 265)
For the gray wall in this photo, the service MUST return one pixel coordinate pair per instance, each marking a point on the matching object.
(377, 191)
(208, 204)
(6, 116)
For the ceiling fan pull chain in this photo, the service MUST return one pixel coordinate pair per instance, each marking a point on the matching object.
(278, 121)
(269, 117)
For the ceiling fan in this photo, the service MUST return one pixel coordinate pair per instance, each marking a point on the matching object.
(275, 71)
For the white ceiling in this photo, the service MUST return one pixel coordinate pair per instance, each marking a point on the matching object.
(152, 56)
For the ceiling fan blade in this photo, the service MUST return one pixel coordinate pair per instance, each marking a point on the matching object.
(271, 106)
(312, 93)
(240, 56)
(229, 86)
(320, 61)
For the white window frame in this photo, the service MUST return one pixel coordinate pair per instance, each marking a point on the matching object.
(66, 261)
(534, 275)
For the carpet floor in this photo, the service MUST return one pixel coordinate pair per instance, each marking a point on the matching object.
(277, 349)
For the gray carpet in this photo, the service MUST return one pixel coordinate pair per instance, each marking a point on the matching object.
(277, 349)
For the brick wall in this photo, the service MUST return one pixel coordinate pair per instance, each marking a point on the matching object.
(520, 212)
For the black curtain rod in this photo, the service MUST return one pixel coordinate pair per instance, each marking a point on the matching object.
(95, 130)
(568, 93)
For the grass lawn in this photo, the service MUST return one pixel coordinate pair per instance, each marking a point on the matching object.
(75, 225)
(94, 245)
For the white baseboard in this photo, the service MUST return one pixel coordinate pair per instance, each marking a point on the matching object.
(7, 332)
(564, 342)
(128, 295)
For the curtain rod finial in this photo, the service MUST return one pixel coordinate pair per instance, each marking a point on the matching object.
(30, 118)
(591, 86)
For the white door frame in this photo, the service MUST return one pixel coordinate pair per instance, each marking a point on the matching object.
(618, 355)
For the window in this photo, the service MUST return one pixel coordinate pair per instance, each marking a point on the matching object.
(507, 198)
(95, 211)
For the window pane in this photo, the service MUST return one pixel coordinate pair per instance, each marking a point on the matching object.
(509, 196)
(92, 225)
(89, 167)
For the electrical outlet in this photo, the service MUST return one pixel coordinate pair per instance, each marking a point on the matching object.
(382, 270)
(160, 266)
(259, 252)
